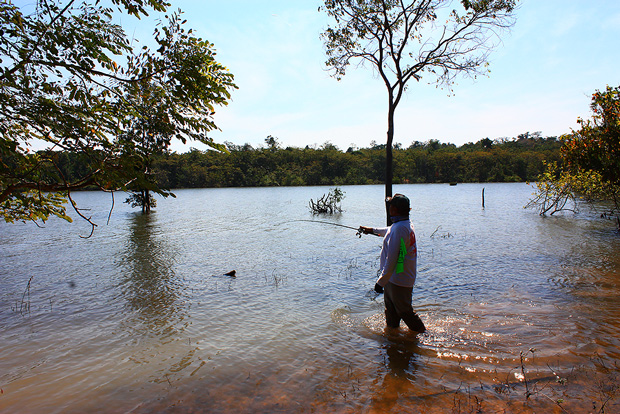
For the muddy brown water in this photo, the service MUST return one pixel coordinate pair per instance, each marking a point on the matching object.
(522, 311)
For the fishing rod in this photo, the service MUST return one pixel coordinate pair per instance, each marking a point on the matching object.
(358, 230)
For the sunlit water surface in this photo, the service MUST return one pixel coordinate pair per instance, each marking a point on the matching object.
(522, 311)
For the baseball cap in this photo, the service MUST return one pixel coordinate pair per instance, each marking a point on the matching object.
(399, 201)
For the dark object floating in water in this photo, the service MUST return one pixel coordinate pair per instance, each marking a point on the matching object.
(232, 273)
(453, 183)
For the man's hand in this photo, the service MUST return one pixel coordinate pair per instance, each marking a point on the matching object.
(365, 230)
(378, 288)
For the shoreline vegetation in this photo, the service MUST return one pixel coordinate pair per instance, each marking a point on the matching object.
(520, 159)
(510, 160)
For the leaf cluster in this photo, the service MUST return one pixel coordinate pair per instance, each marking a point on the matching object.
(73, 83)
(590, 168)
(142, 199)
(596, 145)
(405, 40)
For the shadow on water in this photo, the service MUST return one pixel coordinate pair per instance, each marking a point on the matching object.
(153, 292)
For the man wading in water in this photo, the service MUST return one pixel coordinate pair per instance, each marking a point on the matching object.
(399, 256)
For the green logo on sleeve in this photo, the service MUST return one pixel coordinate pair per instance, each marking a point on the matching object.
(400, 264)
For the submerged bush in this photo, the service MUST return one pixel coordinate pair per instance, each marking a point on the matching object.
(329, 203)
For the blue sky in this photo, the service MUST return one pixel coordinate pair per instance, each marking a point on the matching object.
(542, 76)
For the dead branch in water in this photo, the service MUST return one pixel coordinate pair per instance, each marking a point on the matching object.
(327, 204)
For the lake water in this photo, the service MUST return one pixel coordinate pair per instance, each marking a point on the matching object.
(522, 311)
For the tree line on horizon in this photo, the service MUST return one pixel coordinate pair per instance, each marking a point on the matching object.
(520, 159)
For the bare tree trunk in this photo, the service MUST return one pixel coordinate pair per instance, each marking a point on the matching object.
(146, 194)
(389, 160)
(146, 201)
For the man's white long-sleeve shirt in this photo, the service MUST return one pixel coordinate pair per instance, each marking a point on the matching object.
(389, 254)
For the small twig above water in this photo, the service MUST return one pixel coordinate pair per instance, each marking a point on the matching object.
(275, 279)
(25, 303)
(446, 235)
(527, 388)
(87, 219)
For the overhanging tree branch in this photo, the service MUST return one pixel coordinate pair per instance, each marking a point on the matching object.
(61, 87)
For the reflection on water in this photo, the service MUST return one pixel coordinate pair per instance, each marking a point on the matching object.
(148, 283)
(400, 359)
(522, 312)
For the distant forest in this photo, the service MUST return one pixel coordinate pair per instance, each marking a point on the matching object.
(506, 160)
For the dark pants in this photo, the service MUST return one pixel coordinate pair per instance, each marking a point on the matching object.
(398, 306)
